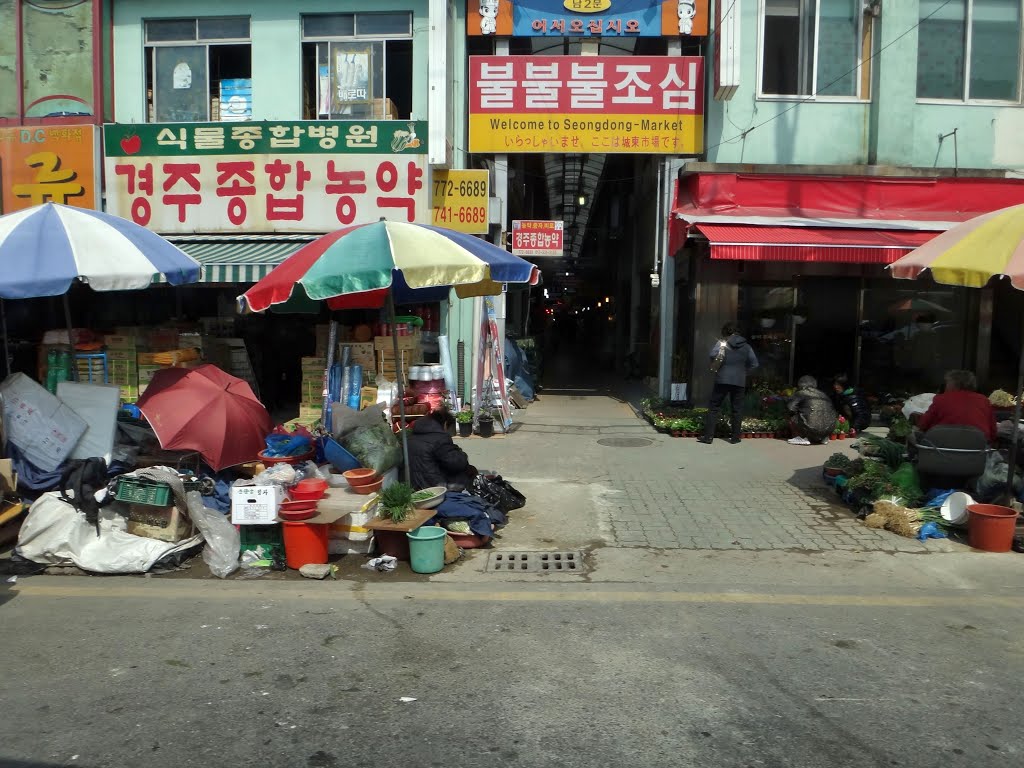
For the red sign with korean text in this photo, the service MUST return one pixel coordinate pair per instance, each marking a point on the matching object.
(609, 104)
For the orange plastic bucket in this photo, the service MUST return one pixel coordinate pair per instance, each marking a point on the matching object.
(304, 544)
(990, 527)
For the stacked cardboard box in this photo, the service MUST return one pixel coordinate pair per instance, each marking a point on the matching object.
(358, 354)
(122, 364)
(409, 351)
(312, 394)
(323, 333)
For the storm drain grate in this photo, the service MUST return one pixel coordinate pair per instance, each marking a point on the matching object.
(536, 562)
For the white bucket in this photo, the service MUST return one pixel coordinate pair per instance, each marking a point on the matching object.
(954, 508)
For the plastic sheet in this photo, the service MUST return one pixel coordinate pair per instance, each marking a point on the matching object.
(222, 539)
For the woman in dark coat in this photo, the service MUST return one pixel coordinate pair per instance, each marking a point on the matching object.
(434, 458)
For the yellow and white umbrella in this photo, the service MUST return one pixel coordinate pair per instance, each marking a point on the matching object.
(971, 255)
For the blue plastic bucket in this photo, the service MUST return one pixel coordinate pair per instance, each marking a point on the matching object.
(426, 549)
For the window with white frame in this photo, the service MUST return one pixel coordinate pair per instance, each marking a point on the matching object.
(813, 47)
(357, 66)
(969, 50)
(198, 70)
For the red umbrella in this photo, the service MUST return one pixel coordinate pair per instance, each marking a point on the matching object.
(207, 410)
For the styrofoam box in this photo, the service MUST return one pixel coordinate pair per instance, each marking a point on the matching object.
(255, 504)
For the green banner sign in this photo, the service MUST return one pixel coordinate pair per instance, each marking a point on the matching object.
(305, 137)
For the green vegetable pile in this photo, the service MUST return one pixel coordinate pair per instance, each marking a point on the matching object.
(396, 502)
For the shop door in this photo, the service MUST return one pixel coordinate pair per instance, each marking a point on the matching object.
(826, 343)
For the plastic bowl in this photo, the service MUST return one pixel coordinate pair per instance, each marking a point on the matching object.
(269, 460)
(298, 495)
(357, 477)
(296, 515)
(438, 492)
(311, 484)
(300, 505)
(369, 488)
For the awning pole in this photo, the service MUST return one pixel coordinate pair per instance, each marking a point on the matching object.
(3, 320)
(73, 373)
(398, 382)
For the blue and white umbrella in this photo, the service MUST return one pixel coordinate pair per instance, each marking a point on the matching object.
(44, 249)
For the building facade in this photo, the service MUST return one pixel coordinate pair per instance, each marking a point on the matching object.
(841, 135)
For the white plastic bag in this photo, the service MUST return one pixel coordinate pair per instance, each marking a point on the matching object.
(918, 404)
(222, 540)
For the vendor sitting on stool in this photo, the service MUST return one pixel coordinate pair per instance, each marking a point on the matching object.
(813, 416)
(960, 405)
(434, 458)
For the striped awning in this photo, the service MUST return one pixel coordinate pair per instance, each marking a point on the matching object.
(239, 259)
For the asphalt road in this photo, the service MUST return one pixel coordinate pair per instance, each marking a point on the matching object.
(149, 672)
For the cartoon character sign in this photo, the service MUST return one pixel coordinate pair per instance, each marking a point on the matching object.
(489, 16)
(686, 9)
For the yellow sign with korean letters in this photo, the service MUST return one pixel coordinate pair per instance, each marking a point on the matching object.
(459, 200)
(52, 164)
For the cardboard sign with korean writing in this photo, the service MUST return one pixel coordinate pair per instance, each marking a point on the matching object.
(579, 104)
(56, 164)
(459, 200)
(266, 177)
(537, 238)
(587, 18)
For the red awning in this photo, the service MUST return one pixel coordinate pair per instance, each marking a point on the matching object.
(817, 244)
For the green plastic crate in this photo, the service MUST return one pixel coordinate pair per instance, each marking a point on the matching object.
(137, 490)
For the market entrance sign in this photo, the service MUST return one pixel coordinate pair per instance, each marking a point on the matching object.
(587, 18)
(580, 104)
(311, 176)
(537, 238)
(47, 165)
(459, 200)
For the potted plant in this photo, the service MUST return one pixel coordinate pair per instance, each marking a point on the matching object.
(837, 464)
(485, 424)
(841, 429)
(464, 418)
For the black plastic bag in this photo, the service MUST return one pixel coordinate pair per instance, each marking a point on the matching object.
(497, 492)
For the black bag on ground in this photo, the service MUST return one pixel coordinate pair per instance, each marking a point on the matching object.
(497, 492)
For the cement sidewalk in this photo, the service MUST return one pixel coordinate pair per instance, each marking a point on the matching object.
(597, 475)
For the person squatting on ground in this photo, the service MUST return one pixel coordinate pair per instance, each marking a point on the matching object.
(434, 458)
(814, 416)
(730, 381)
(851, 402)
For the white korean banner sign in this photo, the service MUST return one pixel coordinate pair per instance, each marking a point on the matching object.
(263, 177)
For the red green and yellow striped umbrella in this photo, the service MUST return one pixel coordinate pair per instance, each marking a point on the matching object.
(365, 263)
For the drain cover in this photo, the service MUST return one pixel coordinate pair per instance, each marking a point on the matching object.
(536, 562)
(625, 442)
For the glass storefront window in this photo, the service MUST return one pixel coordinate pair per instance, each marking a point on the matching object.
(911, 334)
(766, 319)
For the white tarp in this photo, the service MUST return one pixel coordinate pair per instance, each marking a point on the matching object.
(55, 533)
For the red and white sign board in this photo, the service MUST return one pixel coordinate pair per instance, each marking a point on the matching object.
(537, 238)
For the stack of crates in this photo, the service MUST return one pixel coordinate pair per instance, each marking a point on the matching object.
(409, 354)
(122, 365)
(311, 398)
